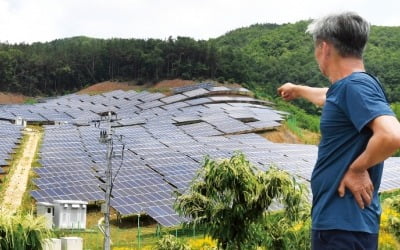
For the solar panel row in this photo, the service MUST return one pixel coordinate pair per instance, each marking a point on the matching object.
(10, 136)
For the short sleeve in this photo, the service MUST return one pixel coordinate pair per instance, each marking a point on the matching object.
(364, 101)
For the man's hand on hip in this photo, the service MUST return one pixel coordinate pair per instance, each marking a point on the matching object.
(360, 185)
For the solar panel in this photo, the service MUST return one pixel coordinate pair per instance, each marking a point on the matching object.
(173, 98)
(149, 105)
(164, 215)
(200, 129)
(198, 101)
(149, 97)
(114, 94)
(196, 92)
(205, 85)
(175, 106)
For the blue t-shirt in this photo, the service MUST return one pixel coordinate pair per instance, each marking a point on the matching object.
(351, 103)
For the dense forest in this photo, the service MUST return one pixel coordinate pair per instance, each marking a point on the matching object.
(261, 56)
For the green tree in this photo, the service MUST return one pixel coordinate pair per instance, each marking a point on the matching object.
(231, 198)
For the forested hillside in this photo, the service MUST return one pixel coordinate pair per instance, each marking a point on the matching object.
(261, 56)
(277, 54)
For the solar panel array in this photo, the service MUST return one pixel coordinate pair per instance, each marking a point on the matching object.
(10, 138)
(66, 172)
(160, 142)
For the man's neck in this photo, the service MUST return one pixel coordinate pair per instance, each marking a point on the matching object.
(343, 67)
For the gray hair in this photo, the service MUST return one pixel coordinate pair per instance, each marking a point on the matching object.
(348, 32)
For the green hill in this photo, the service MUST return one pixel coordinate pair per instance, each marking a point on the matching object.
(261, 56)
(283, 53)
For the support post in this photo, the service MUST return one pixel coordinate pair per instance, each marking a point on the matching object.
(138, 225)
(107, 231)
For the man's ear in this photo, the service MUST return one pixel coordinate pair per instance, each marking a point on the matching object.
(326, 48)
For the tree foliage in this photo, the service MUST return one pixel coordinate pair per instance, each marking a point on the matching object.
(232, 198)
(68, 64)
(262, 56)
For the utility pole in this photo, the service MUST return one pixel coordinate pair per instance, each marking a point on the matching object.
(106, 137)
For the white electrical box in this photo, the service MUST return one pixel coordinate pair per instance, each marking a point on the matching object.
(71, 243)
(52, 244)
(69, 214)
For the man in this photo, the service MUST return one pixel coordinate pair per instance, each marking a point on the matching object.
(359, 131)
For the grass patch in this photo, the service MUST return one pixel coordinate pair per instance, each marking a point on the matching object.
(125, 233)
(302, 119)
(30, 101)
(293, 126)
(306, 136)
(389, 194)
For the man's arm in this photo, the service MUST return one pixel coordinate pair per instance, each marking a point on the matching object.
(290, 91)
(383, 143)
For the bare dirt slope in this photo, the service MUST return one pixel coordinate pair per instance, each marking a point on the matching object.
(164, 86)
(19, 178)
(173, 83)
(10, 98)
(107, 87)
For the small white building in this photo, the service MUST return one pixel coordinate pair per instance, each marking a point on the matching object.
(46, 210)
(20, 121)
(69, 214)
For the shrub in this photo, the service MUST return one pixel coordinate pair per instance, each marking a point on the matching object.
(390, 218)
(170, 242)
(22, 232)
(387, 241)
(206, 243)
